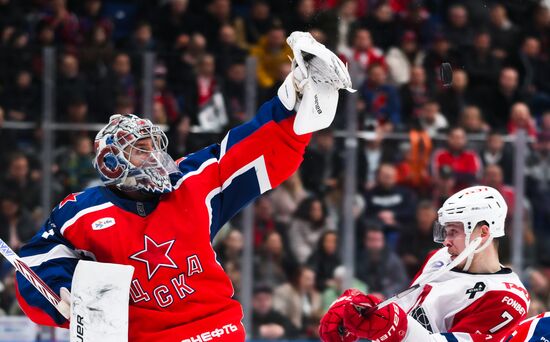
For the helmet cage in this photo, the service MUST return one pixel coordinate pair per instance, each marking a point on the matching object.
(115, 146)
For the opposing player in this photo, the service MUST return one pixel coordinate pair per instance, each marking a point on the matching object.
(160, 216)
(534, 329)
(478, 300)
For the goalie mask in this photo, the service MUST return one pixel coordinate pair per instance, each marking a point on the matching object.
(130, 153)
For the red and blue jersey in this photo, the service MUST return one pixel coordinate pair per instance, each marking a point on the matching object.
(536, 328)
(179, 290)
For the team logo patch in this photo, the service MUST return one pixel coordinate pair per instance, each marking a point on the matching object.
(103, 223)
(155, 255)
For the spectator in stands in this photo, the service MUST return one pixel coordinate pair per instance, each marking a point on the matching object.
(520, 118)
(234, 92)
(458, 30)
(16, 224)
(538, 184)
(391, 204)
(336, 287)
(204, 100)
(119, 82)
(266, 322)
(91, 18)
(414, 94)
(372, 153)
(338, 23)
(142, 41)
(403, 58)
(227, 51)
(497, 102)
(325, 259)
(444, 185)
(322, 163)
(416, 241)
(472, 121)
(382, 25)
(255, 25)
(307, 227)
(287, 197)
(273, 262)
(71, 83)
(381, 99)
(231, 247)
(465, 164)
(64, 22)
(163, 96)
(271, 51)
(439, 52)
(303, 17)
(300, 302)
(77, 165)
(189, 50)
(96, 54)
(533, 68)
(174, 20)
(264, 221)
(218, 13)
(453, 100)
(19, 180)
(379, 266)
(481, 65)
(505, 35)
(22, 100)
(363, 52)
(497, 152)
(430, 118)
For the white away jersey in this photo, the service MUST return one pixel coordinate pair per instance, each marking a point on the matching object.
(484, 306)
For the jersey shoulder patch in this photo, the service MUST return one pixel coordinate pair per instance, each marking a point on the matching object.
(76, 205)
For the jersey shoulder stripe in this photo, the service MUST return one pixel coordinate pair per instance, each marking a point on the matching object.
(76, 205)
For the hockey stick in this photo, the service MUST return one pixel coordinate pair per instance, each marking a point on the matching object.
(34, 279)
(459, 258)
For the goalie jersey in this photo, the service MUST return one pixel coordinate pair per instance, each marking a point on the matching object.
(179, 292)
(460, 306)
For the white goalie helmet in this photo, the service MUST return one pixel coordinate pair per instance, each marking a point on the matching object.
(114, 147)
(469, 207)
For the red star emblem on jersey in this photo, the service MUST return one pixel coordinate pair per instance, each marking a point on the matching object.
(70, 198)
(155, 255)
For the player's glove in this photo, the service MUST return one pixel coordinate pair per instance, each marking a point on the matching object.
(332, 327)
(312, 87)
(387, 324)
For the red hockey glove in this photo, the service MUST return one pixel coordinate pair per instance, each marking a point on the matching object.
(332, 328)
(388, 324)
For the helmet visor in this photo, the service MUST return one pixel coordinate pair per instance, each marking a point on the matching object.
(450, 230)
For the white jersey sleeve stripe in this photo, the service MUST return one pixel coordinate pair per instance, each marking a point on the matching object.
(84, 212)
(59, 251)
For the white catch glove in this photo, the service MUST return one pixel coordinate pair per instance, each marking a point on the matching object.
(317, 75)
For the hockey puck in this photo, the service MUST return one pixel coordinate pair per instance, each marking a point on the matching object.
(446, 74)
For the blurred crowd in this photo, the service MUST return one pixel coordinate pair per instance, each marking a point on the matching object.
(500, 54)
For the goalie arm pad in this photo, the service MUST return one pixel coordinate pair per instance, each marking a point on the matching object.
(54, 260)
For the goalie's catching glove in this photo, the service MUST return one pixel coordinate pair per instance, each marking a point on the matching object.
(312, 86)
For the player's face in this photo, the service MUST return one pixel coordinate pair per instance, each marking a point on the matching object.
(140, 151)
(455, 238)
